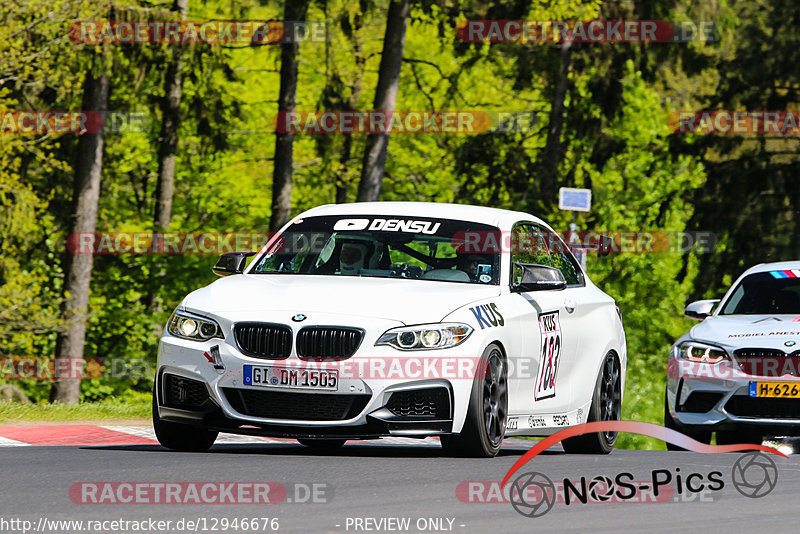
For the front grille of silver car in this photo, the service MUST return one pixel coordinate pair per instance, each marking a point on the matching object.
(761, 353)
(328, 342)
(700, 401)
(763, 407)
(270, 341)
(767, 362)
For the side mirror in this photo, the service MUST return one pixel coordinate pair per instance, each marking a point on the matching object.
(539, 278)
(231, 263)
(700, 309)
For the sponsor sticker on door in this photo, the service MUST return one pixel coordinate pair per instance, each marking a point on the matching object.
(549, 357)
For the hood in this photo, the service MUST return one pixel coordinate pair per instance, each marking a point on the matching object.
(407, 301)
(752, 331)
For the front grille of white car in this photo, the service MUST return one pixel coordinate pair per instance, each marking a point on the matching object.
(295, 406)
(184, 393)
(270, 341)
(430, 403)
(328, 342)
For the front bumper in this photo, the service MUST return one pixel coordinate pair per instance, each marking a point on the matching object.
(361, 407)
(717, 397)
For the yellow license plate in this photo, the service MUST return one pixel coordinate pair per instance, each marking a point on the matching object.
(785, 390)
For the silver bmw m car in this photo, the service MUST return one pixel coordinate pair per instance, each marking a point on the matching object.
(737, 373)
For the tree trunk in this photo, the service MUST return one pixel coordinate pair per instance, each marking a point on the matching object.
(552, 153)
(78, 267)
(355, 94)
(168, 141)
(167, 151)
(294, 10)
(372, 169)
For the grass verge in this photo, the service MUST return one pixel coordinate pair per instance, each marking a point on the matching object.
(129, 407)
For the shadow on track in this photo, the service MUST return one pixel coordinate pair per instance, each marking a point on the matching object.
(354, 450)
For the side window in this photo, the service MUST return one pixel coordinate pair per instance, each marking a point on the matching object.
(563, 260)
(528, 245)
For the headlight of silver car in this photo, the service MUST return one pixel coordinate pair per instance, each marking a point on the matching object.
(701, 352)
(426, 336)
(189, 326)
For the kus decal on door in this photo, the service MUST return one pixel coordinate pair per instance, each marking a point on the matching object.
(549, 357)
(487, 315)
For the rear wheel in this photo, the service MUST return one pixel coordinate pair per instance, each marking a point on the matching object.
(606, 406)
(179, 436)
(322, 445)
(703, 436)
(485, 425)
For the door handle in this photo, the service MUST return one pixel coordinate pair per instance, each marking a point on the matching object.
(569, 304)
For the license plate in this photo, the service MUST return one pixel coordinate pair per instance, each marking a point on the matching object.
(786, 390)
(282, 377)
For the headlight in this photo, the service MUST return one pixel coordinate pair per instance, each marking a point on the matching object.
(191, 327)
(701, 353)
(426, 336)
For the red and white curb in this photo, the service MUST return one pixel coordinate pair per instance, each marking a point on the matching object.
(88, 435)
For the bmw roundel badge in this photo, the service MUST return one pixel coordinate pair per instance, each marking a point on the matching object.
(299, 318)
(789, 343)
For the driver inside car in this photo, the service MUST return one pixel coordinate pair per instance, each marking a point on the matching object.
(351, 258)
(469, 264)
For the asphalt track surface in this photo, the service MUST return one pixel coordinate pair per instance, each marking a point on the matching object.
(380, 481)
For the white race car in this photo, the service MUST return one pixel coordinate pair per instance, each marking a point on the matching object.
(738, 371)
(395, 319)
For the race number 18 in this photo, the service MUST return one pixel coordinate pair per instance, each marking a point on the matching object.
(550, 328)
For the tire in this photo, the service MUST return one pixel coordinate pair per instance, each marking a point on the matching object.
(606, 406)
(734, 437)
(703, 436)
(179, 436)
(322, 445)
(485, 425)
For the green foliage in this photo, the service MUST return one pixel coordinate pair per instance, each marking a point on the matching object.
(643, 188)
(615, 141)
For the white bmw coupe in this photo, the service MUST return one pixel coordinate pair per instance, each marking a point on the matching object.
(364, 320)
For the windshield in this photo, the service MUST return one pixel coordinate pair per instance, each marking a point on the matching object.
(367, 245)
(773, 292)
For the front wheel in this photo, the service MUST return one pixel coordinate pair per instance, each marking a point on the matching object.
(485, 425)
(606, 406)
(181, 437)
